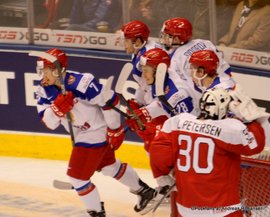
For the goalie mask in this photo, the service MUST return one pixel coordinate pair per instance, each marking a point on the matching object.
(214, 104)
(43, 63)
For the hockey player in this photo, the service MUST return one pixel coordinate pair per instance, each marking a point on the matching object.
(203, 67)
(204, 152)
(178, 97)
(136, 42)
(97, 131)
(176, 36)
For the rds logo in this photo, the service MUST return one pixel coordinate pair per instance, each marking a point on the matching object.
(250, 58)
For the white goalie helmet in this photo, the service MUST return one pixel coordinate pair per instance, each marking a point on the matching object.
(214, 103)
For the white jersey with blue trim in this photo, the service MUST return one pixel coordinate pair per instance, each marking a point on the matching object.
(143, 92)
(90, 117)
(181, 98)
(180, 57)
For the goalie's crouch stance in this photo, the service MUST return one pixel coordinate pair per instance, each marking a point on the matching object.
(96, 127)
(205, 151)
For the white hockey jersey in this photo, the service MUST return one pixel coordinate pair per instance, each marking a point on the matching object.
(143, 93)
(90, 116)
(180, 57)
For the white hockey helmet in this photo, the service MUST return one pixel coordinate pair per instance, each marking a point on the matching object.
(214, 103)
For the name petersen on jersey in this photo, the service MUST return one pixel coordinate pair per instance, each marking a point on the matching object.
(202, 128)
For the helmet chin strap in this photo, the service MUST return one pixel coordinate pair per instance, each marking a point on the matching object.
(137, 48)
(199, 80)
(55, 74)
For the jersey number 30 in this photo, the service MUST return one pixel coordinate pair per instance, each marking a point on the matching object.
(186, 139)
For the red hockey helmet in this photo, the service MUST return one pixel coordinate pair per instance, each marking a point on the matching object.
(178, 27)
(136, 29)
(155, 56)
(206, 59)
(60, 55)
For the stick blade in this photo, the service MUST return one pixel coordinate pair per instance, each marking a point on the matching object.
(44, 55)
(125, 72)
(160, 78)
(107, 88)
(62, 185)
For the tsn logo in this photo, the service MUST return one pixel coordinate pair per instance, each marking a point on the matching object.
(69, 38)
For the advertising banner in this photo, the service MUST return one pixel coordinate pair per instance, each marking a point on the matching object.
(111, 41)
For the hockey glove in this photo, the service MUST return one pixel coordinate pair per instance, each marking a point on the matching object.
(115, 137)
(248, 111)
(133, 104)
(148, 134)
(142, 114)
(63, 104)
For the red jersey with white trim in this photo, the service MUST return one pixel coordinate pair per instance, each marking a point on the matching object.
(205, 155)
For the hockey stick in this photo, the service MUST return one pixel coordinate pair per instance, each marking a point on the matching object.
(125, 72)
(159, 84)
(107, 96)
(57, 64)
(157, 204)
(62, 185)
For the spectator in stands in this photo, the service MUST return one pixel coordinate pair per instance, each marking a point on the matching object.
(197, 12)
(250, 26)
(224, 14)
(62, 12)
(44, 11)
(95, 15)
(151, 12)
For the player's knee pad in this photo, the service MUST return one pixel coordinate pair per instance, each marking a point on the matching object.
(81, 186)
(112, 170)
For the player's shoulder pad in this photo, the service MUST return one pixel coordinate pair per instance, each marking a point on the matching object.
(232, 126)
(79, 81)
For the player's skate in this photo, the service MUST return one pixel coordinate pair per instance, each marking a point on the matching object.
(145, 195)
(162, 194)
(93, 213)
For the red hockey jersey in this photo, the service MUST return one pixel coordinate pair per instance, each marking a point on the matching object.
(205, 155)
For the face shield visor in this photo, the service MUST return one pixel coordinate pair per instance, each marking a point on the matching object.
(120, 38)
(165, 39)
(42, 69)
